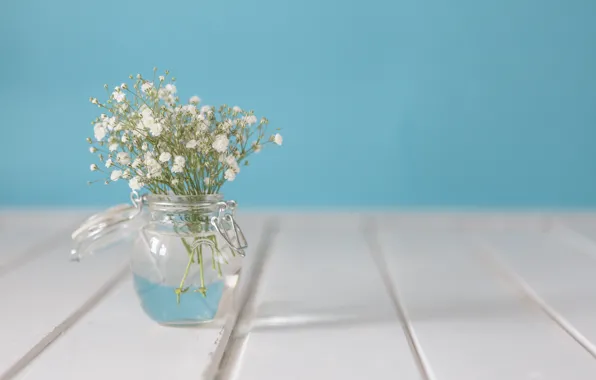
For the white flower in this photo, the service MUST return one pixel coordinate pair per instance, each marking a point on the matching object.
(229, 175)
(124, 138)
(119, 96)
(145, 112)
(171, 88)
(113, 147)
(236, 109)
(195, 100)
(156, 129)
(109, 163)
(179, 160)
(116, 174)
(278, 139)
(231, 161)
(207, 180)
(206, 110)
(146, 86)
(192, 144)
(256, 147)
(165, 157)
(110, 123)
(136, 163)
(100, 131)
(135, 183)
(226, 125)
(93, 149)
(94, 100)
(162, 78)
(175, 181)
(221, 143)
(93, 167)
(123, 158)
(145, 146)
(153, 166)
(148, 121)
(178, 166)
(203, 126)
(189, 108)
(251, 119)
(124, 86)
(126, 174)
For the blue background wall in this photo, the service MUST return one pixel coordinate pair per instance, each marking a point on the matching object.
(383, 102)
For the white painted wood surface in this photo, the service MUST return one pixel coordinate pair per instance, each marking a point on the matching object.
(470, 322)
(422, 296)
(129, 344)
(23, 235)
(322, 305)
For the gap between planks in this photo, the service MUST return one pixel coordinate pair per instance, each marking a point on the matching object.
(491, 255)
(369, 229)
(226, 358)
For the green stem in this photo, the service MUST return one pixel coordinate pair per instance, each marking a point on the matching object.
(188, 248)
(180, 289)
(202, 289)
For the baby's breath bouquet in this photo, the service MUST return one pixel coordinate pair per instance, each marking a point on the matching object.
(148, 138)
(156, 143)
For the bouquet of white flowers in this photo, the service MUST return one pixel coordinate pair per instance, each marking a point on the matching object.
(151, 140)
(146, 137)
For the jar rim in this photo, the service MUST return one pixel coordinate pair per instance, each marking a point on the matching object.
(173, 200)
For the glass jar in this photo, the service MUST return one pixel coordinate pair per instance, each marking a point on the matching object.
(186, 251)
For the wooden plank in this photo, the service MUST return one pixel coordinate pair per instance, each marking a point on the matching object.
(471, 323)
(463, 221)
(561, 275)
(317, 273)
(322, 310)
(367, 351)
(144, 349)
(39, 295)
(117, 340)
(22, 233)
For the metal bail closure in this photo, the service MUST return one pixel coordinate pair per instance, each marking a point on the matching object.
(101, 224)
(237, 242)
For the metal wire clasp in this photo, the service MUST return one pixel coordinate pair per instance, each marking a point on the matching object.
(137, 201)
(226, 214)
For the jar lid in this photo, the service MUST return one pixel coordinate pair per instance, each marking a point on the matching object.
(102, 224)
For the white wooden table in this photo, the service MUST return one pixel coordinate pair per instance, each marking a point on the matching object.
(421, 296)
